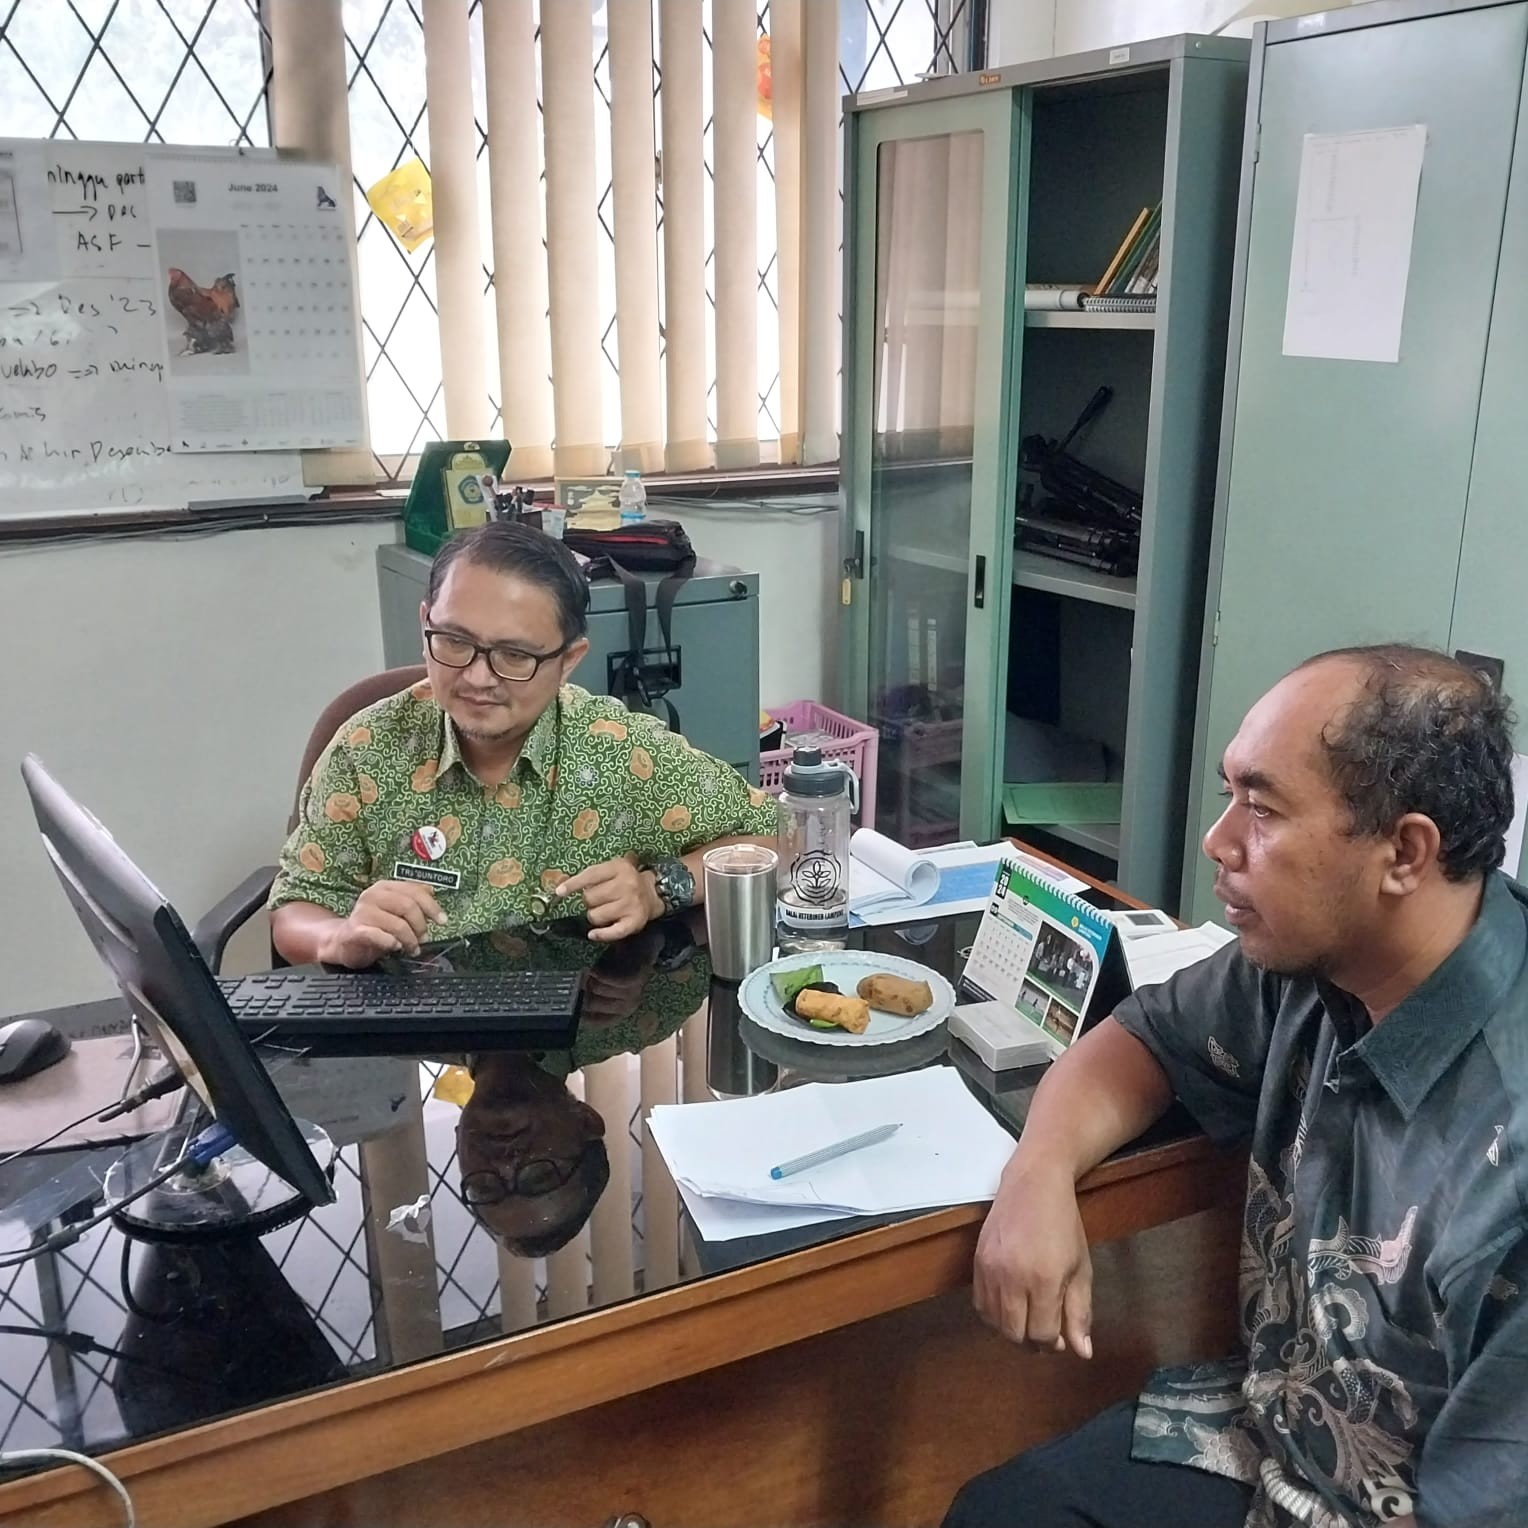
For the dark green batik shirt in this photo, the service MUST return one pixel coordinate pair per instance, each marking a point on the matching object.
(593, 782)
(1384, 1262)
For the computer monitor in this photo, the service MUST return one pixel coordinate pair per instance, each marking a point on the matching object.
(168, 984)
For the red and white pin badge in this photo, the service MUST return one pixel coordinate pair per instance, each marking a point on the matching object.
(429, 843)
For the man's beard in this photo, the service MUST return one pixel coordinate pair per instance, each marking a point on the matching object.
(484, 735)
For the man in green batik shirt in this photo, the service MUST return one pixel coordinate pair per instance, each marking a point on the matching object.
(494, 793)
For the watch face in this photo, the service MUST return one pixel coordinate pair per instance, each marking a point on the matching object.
(675, 884)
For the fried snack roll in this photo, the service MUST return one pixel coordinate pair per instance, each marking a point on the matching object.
(895, 994)
(834, 1008)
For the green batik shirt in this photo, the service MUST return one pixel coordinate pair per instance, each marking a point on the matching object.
(593, 782)
(1384, 1257)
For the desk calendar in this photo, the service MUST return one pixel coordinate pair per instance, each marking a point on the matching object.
(1046, 956)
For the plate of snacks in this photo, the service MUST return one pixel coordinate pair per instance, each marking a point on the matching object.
(846, 997)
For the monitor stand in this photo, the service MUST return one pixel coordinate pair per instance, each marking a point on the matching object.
(235, 1194)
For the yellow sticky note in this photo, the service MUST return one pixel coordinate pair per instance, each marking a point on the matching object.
(403, 202)
(453, 1086)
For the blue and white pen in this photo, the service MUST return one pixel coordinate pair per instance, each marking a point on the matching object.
(838, 1149)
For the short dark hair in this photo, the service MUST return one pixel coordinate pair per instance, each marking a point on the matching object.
(1426, 734)
(592, 1174)
(509, 546)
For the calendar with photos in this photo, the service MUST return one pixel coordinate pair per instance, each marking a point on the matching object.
(1043, 953)
(253, 262)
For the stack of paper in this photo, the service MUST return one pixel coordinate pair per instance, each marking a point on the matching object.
(889, 883)
(948, 1151)
(1156, 957)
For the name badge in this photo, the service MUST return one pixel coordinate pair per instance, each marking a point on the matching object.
(430, 875)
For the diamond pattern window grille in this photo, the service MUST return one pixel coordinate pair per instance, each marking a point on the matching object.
(144, 71)
(197, 71)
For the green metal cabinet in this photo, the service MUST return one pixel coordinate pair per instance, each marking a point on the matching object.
(1362, 501)
(959, 191)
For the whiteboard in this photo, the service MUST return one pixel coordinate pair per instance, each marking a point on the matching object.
(85, 421)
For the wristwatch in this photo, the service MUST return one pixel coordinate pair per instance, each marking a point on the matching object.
(674, 884)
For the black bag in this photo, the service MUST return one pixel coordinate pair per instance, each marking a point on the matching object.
(652, 546)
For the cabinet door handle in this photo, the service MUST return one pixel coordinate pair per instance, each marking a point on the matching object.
(627, 1520)
(980, 599)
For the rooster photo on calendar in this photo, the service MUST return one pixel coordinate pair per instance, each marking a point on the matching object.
(203, 316)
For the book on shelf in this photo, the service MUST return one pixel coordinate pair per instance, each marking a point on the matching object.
(1122, 253)
(1133, 270)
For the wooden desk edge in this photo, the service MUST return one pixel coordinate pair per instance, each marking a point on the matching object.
(241, 1464)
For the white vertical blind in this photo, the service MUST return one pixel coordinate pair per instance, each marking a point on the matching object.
(519, 254)
(734, 198)
(310, 114)
(567, 52)
(818, 348)
(786, 29)
(681, 57)
(458, 244)
(634, 192)
(685, 402)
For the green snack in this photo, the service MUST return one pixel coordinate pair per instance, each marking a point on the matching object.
(821, 1024)
(788, 983)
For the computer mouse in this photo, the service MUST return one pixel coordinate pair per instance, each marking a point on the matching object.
(30, 1046)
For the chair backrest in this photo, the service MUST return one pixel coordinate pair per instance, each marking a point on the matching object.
(362, 693)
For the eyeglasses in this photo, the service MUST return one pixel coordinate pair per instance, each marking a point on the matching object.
(511, 663)
(531, 1179)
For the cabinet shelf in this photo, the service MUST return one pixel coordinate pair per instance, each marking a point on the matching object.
(926, 557)
(1033, 570)
(1052, 318)
(1100, 837)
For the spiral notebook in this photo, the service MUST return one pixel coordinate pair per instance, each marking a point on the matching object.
(1048, 964)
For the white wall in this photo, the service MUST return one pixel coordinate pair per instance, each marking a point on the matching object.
(1021, 30)
(171, 685)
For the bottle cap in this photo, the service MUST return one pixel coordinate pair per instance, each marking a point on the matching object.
(807, 775)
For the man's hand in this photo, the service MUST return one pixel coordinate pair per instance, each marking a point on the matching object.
(620, 899)
(389, 916)
(1033, 1278)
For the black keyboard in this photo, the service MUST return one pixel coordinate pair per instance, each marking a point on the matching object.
(380, 1013)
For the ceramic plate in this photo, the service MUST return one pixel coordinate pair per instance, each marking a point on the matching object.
(846, 969)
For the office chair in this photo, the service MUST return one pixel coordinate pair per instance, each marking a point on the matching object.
(219, 924)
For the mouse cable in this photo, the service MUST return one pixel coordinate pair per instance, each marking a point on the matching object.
(115, 1110)
(68, 1455)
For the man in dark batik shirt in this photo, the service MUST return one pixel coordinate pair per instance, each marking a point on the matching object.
(1368, 1035)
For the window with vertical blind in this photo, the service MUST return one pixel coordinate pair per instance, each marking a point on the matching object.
(637, 267)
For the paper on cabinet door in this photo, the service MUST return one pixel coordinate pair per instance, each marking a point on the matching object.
(1355, 215)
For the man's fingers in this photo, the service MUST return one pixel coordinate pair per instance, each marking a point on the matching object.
(626, 925)
(390, 902)
(1077, 1314)
(400, 929)
(1044, 1317)
(595, 875)
(363, 945)
(421, 894)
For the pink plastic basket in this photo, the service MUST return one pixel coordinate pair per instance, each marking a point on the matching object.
(857, 745)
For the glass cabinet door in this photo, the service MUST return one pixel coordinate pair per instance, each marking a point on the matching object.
(928, 316)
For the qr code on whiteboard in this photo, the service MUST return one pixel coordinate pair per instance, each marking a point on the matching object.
(185, 193)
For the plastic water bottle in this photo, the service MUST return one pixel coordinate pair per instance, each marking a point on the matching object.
(633, 498)
(813, 878)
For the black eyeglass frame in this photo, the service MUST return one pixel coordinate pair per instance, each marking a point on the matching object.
(486, 651)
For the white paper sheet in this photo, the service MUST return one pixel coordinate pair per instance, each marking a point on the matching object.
(948, 1151)
(889, 884)
(1355, 215)
(1158, 956)
(1514, 835)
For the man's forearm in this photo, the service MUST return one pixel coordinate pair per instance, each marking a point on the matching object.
(298, 930)
(1100, 1095)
